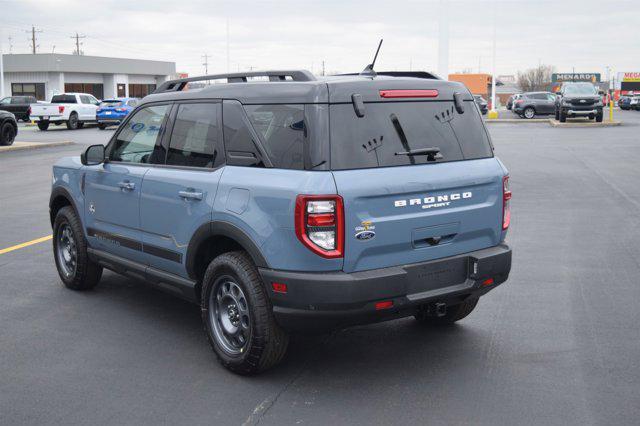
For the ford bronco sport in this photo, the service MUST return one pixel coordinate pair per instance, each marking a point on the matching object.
(281, 202)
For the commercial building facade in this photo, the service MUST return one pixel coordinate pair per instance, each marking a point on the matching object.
(44, 75)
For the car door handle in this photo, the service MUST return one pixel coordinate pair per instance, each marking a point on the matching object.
(127, 186)
(190, 195)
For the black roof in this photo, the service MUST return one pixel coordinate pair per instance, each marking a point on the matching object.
(305, 88)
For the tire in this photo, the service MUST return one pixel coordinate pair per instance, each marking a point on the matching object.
(80, 125)
(454, 313)
(529, 113)
(76, 270)
(102, 126)
(7, 134)
(246, 340)
(563, 117)
(72, 123)
(599, 117)
(43, 125)
(557, 115)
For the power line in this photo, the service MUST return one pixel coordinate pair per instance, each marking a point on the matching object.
(34, 45)
(78, 37)
(206, 63)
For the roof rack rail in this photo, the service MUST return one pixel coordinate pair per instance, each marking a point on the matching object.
(414, 74)
(237, 77)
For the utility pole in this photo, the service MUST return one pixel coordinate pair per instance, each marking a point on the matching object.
(228, 45)
(322, 67)
(34, 45)
(78, 37)
(1, 68)
(443, 40)
(205, 57)
(10, 45)
(493, 113)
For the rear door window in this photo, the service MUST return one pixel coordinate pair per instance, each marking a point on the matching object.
(195, 136)
(283, 133)
(389, 129)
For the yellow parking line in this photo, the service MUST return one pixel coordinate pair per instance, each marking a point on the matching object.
(27, 244)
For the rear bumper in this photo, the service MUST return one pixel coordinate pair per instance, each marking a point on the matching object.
(337, 299)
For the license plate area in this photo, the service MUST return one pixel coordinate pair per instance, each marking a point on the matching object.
(437, 275)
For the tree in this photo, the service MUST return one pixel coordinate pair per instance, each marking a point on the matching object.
(535, 79)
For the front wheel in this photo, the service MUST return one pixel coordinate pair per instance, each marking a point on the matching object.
(557, 115)
(454, 313)
(563, 117)
(43, 125)
(529, 113)
(599, 117)
(102, 126)
(7, 134)
(76, 270)
(72, 123)
(238, 318)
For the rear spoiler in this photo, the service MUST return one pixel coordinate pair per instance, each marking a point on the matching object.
(414, 74)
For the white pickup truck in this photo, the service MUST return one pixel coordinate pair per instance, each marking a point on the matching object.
(73, 109)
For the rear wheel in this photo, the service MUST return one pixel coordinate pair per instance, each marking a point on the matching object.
(80, 125)
(454, 313)
(43, 125)
(599, 117)
(7, 134)
(102, 126)
(72, 123)
(557, 114)
(238, 317)
(529, 113)
(76, 270)
(563, 117)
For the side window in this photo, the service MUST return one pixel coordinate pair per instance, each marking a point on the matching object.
(551, 97)
(5, 101)
(132, 102)
(283, 132)
(85, 99)
(138, 141)
(194, 138)
(93, 101)
(239, 140)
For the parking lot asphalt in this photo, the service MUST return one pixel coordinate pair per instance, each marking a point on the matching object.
(557, 344)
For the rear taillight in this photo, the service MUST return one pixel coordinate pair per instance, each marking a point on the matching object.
(60, 109)
(506, 207)
(519, 101)
(120, 109)
(319, 223)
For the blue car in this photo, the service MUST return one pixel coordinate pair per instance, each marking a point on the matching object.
(114, 111)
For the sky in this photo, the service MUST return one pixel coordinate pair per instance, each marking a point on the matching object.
(584, 35)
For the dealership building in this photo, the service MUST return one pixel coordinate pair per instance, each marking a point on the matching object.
(44, 75)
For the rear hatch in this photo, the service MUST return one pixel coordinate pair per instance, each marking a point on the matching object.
(110, 107)
(400, 208)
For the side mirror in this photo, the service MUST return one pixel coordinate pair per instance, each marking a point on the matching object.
(93, 155)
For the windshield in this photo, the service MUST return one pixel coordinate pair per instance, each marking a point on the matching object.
(580, 89)
(405, 133)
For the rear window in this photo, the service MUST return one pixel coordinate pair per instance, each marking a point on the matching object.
(63, 99)
(283, 133)
(110, 103)
(376, 140)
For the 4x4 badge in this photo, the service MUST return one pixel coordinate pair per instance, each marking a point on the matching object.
(365, 231)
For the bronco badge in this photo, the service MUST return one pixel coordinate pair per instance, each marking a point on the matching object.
(365, 231)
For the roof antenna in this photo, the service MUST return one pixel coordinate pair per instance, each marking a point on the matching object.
(368, 70)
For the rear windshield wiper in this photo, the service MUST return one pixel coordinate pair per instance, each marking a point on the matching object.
(432, 153)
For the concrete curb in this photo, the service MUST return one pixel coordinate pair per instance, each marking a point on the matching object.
(590, 123)
(517, 120)
(23, 146)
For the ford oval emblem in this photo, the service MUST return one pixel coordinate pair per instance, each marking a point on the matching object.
(365, 235)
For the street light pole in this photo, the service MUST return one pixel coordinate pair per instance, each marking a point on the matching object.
(493, 113)
(1, 67)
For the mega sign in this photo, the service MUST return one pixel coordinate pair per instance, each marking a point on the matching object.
(630, 76)
(592, 77)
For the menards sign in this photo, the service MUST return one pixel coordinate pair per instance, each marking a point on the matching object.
(630, 76)
(593, 77)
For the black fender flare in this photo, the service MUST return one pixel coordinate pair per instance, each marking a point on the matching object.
(60, 191)
(222, 229)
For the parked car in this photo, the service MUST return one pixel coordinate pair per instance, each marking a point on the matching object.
(634, 102)
(578, 99)
(8, 128)
(19, 106)
(113, 111)
(72, 109)
(482, 104)
(512, 100)
(624, 102)
(283, 205)
(530, 104)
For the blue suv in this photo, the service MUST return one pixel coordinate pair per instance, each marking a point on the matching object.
(282, 202)
(114, 111)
